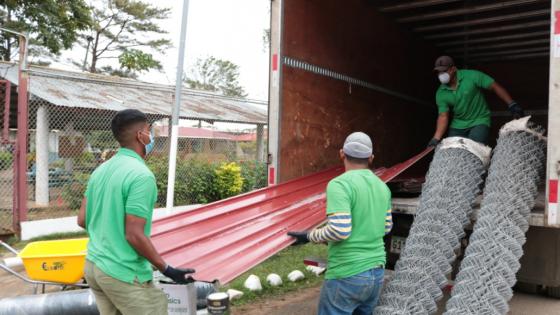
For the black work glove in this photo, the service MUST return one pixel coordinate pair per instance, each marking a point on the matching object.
(433, 143)
(300, 236)
(178, 274)
(516, 110)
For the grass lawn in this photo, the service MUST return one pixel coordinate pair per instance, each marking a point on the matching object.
(282, 264)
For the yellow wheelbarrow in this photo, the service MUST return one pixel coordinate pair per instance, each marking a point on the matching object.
(59, 262)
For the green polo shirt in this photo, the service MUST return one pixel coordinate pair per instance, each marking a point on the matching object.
(467, 101)
(367, 198)
(123, 185)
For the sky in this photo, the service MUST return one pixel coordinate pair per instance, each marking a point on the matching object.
(226, 29)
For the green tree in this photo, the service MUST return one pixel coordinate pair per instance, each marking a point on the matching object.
(216, 75)
(53, 25)
(123, 30)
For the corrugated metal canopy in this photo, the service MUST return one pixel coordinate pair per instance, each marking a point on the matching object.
(109, 93)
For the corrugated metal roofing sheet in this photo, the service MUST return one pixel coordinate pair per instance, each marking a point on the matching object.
(86, 90)
(226, 238)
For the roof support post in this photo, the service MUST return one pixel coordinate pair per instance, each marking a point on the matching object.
(260, 143)
(42, 157)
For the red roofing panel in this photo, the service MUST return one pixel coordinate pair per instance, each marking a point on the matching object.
(226, 238)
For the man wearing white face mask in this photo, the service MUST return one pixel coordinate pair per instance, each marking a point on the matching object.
(461, 91)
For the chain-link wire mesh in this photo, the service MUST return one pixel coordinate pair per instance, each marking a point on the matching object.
(446, 204)
(215, 159)
(483, 284)
(7, 157)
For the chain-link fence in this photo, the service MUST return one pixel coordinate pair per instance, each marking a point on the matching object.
(69, 137)
(7, 153)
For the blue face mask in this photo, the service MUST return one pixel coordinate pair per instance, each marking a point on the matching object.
(150, 146)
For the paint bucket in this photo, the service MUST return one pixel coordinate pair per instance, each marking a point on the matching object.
(218, 303)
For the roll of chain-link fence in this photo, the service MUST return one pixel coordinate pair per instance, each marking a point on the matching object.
(446, 204)
(487, 273)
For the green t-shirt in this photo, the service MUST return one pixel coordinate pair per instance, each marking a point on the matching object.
(467, 101)
(362, 194)
(123, 185)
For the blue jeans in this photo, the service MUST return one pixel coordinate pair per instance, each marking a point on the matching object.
(477, 133)
(355, 295)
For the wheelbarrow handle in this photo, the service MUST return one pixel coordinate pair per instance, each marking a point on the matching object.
(24, 278)
(8, 247)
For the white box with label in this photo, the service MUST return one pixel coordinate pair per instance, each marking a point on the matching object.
(181, 298)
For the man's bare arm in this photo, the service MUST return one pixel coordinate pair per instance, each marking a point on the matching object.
(134, 230)
(501, 93)
(441, 125)
(82, 214)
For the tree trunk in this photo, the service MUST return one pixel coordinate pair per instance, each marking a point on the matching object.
(93, 67)
(8, 52)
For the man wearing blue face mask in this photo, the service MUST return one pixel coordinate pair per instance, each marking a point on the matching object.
(461, 91)
(117, 215)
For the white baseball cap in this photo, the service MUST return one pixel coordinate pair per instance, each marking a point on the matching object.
(358, 145)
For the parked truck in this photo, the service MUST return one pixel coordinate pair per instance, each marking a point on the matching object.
(343, 66)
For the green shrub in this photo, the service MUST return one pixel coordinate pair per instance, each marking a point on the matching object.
(73, 192)
(6, 160)
(199, 180)
(194, 182)
(228, 180)
(86, 159)
(254, 175)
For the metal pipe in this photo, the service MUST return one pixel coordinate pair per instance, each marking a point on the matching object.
(498, 46)
(415, 5)
(496, 29)
(468, 10)
(175, 113)
(75, 302)
(20, 162)
(493, 39)
(24, 59)
(20, 207)
(493, 19)
(9, 248)
(337, 76)
(59, 303)
(7, 100)
(25, 279)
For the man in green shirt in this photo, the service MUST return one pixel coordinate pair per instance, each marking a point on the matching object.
(117, 215)
(461, 91)
(358, 216)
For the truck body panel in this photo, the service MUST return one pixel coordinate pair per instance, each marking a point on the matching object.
(357, 65)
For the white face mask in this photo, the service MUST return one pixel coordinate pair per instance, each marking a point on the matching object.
(444, 77)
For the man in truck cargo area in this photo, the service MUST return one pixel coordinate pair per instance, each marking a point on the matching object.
(358, 216)
(117, 215)
(461, 92)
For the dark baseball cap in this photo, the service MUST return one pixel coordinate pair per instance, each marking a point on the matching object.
(443, 63)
